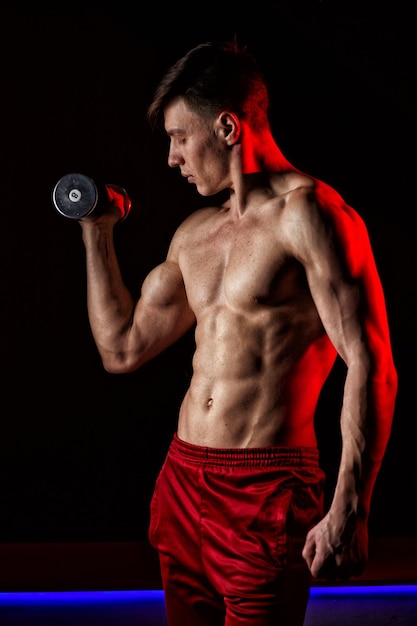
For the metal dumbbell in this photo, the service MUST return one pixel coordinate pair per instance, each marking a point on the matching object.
(76, 195)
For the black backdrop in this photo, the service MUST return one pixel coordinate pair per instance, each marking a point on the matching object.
(79, 448)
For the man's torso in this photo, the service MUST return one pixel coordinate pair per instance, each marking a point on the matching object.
(261, 355)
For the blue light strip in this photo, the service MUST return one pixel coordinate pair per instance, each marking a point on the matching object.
(149, 596)
(363, 590)
(79, 597)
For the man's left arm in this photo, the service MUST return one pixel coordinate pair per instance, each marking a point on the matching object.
(348, 294)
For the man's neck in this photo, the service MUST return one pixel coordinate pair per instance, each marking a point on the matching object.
(255, 156)
(259, 152)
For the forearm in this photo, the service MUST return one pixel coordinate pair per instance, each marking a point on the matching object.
(367, 413)
(110, 304)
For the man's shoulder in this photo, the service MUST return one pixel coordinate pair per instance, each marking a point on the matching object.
(309, 204)
(307, 192)
(198, 219)
(287, 181)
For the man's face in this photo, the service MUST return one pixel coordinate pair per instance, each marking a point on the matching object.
(197, 148)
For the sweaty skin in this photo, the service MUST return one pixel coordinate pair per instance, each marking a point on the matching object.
(262, 354)
(277, 282)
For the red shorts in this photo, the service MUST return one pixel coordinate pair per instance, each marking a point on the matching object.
(229, 526)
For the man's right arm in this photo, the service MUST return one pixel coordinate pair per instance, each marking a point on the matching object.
(129, 333)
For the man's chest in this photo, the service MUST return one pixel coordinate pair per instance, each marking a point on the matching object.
(242, 268)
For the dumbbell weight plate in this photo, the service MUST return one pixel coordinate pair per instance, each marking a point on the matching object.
(75, 196)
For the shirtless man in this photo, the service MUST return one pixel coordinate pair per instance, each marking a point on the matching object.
(277, 282)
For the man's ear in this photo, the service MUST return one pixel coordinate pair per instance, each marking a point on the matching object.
(228, 127)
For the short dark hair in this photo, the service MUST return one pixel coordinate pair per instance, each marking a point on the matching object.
(211, 77)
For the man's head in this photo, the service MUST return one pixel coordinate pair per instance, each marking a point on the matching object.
(213, 77)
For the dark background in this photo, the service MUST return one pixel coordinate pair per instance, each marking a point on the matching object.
(79, 448)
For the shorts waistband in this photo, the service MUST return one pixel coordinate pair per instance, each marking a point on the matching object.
(244, 457)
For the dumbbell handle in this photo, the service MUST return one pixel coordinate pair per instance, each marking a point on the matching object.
(76, 195)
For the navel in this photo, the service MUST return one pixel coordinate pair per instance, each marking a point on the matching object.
(209, 403)
(260, 299)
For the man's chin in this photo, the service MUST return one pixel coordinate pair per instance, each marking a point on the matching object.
(206, 192)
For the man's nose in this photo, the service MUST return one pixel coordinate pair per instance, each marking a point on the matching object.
(174, 159)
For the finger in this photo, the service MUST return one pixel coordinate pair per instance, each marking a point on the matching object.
(308, 554)
(118, 197)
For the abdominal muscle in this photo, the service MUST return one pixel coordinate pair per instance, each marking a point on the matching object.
(256, 378)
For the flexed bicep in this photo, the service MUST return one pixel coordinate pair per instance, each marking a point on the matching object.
(162, 314)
